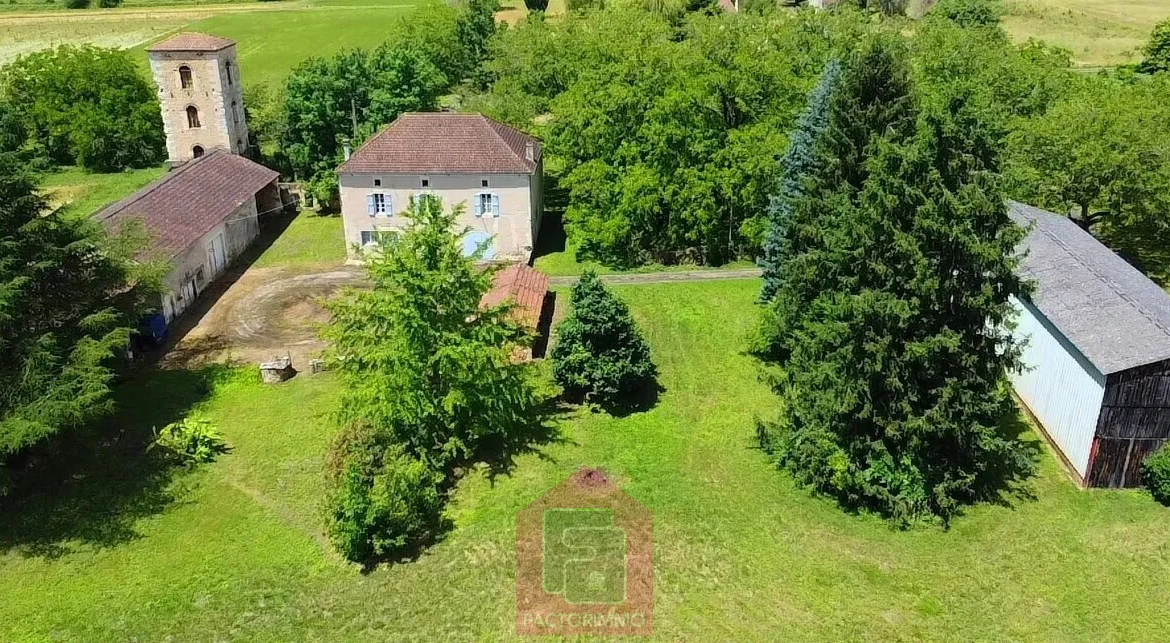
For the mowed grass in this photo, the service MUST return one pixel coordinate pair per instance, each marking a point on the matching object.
(309, 239)
(84, 193)
(273, 37)
(233, 550)
(1097, 32)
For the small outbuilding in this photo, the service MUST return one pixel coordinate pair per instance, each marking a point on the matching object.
(1097, 352)
(200, 217)
(527, 289)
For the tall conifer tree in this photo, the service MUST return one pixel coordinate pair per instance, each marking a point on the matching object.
(895, 304)
(794, 167)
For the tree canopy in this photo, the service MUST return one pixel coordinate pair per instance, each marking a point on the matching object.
(69, 299)
(82, 105)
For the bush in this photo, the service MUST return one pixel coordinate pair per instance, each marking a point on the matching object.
(383, 502)
(109, 3)
(968, 13)
(1157, 50)
(600, 355)
(192, 440)
(76, 4)
(1156, 474)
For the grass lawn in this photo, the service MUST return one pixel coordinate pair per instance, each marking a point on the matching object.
(84, 193)
(1097, 32)
(308, 239)
(124, 551)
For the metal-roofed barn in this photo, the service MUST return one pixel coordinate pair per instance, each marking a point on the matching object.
(1098, 351)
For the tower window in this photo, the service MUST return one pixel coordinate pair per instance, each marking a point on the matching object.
(197, 151)
(227, 69)
(185, 77)
(192, 116)
(235, 112)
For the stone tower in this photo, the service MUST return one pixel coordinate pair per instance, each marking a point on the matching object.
(199, 89)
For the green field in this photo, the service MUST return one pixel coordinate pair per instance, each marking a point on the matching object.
(85, 193)
(309, 239)
(273, 36)
(1097, 32)
(128, 551)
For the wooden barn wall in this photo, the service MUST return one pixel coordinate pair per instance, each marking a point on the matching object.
(1134, 421)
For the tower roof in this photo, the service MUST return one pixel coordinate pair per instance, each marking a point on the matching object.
(192, 41)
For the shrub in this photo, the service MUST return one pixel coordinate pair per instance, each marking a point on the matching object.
(383, 502)
(1157, 50)
(109, 3)
(76, 4)
(1156, 474)
(600, 354)
(968, 13)
(192, 440)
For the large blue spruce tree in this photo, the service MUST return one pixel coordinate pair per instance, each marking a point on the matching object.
(798, 161)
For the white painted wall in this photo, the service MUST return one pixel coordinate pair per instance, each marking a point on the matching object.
(1061, 388)
(194, 266)
(514, 230)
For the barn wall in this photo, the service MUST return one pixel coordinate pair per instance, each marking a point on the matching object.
(1059, 386)
(1135, 420)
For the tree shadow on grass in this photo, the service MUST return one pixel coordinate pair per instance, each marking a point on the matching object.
(89, 487)
(542, 429)
(1007, 482)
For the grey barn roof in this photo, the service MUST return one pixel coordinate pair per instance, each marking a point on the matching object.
(1109, 310)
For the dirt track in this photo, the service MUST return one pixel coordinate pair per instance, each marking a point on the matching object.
(260, 313)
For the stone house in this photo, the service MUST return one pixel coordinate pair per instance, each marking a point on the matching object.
(492, 170)
(201, 94)
(200, 217)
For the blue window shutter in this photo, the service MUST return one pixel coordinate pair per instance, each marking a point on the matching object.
(496, 206)
(370, 207)
(478, 205)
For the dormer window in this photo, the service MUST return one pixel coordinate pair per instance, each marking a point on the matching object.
(185, 79)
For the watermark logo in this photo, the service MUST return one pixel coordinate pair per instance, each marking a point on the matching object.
(584, 561)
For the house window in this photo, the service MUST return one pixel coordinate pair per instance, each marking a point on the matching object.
(377, 183)
(192, 117)
(197, 151)
(227, 69)
(487, 204)
(483, 183)
(185, 77)
(377, 204)
(426, 183)
(371, 237)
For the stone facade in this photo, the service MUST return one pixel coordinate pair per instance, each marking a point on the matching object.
(513, 232)
(213, 89)
(195, 269)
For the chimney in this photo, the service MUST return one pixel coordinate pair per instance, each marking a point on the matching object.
(530, 151)
(347, 151)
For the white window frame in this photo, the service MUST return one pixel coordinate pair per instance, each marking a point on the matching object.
(379, 204)
(489, 199)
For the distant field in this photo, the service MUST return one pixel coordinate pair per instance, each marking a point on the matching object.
(274, 36)
(83, 193)
(1097, 32)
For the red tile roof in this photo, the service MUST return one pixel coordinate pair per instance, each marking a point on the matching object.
(445, 143)
(192, 41)
(183, 206)
(524, 286)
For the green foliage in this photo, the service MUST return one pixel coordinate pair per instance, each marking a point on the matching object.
(968, 13)
(382, 502)
(69, 298)
(107, 4)
(192, 440)
(76, 4)
(1102, 152)
(1157, 50)
(666, 143)
(346, 98)
(422, 362)
(600, 354)
(892, 320)
(1156, 474)
(85, 106)
(797, 163)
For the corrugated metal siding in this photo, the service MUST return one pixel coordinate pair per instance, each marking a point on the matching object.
(1060, 387)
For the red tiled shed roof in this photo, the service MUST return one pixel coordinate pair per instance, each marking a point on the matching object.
(192, 41)
(183, 206)
(445, 143)
(524, 286)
